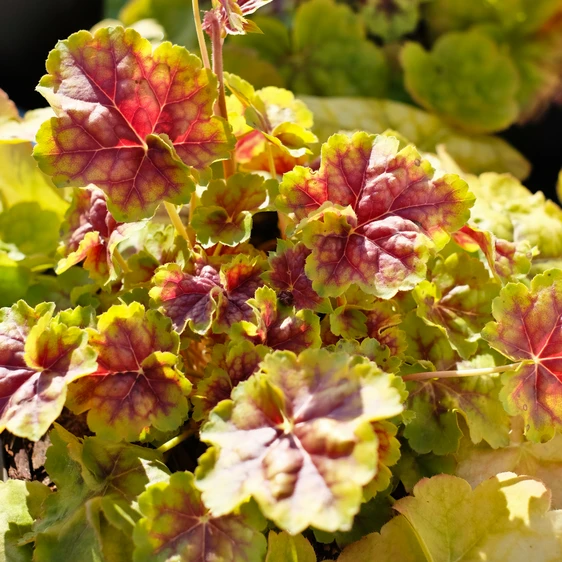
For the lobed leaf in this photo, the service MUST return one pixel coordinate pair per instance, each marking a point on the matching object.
(226, 209)
(395, 213)
(505, 517)
(527, 330)
(176, 525)
(153, 120)
(277, 439)
(279, 327)
(39, 358)
(471, 63)
(137, 384)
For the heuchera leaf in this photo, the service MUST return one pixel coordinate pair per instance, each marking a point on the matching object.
(279, 327)
(230, 365)
(504, 518)
(39, 357)
(205, 296)
(287, 276)
(137, 384)
(396, 213)
(91, 235)
(326, 52)
(527, 330)
(392, 19)
(91, 515)
(297, 436)
(16, 517)
(176, 525)
(507, 261)
(130, 120)
(275, 114)
(539, 460)
(282, 547)
(457, 300)
(226, 209)
(464, 62)
(437, 403)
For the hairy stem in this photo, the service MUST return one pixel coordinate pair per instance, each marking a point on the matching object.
(178, 225)
(121, 261)
(176, 440)
(213, 26)
(282, 219)
(465, 373)
(200, 35)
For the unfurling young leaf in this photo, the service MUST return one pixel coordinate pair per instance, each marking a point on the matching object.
(277, 326)
(204, 296)
(130, 120)
(527, 330)
(297, 436)
(230, 365)
(92, 235)
(137, 384)
(231, 14)
(504, 518)
(39, 357)
(393, 214)
(176, 525)
(226, 209)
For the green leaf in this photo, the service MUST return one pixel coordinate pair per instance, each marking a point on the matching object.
(21, 181)
(137, 385)
(294, 410)
(176, 16)
(392, 19)
(527, 330)
(505, 516)
(282, 547)
(457, 300)
(226, 209)
(14, 280)
(176, 525)
(509, 210)
(327, 52)
(91, 516)
(16, 517)
(473, 64)
(381, 241)
(39, 357)
(538, 460)
(137, 161)
(474, 153)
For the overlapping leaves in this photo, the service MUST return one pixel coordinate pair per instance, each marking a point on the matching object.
(276, 439)
(378, 214)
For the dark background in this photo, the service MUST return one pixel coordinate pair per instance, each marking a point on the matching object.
(29, 29)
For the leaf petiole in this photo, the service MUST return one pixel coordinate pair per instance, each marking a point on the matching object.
(178, 224)
(175, 441)
(465, 373)
(200, 35)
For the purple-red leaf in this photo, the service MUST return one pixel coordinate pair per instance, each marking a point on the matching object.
(395, 213)
(130, 120)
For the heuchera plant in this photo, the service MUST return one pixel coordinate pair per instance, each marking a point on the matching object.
(381, 372)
